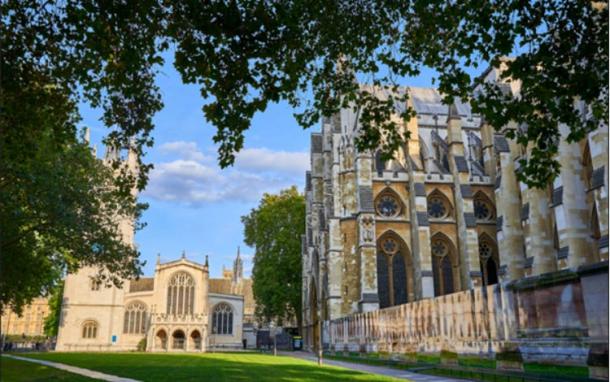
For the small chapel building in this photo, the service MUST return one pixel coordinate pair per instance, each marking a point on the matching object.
(179, 309)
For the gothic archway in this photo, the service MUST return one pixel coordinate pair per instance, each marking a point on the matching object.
(161, 339)
(178, 340)
(195, 340)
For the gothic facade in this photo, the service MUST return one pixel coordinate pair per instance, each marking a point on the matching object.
(178, 309)
(446, 214)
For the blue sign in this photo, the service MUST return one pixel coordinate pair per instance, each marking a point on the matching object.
(113, 339)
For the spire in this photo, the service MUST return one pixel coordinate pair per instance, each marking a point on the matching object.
(206, 261)
(238, 267)
(158, 258)
(183, 254)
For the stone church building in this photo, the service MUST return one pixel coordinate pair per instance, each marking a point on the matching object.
(446, 214)
(178, 309)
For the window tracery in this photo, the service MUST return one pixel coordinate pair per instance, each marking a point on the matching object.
(438, 207)
(134, 321)
(222, 319)
(483, 210)
(181, 294)
(387, 205)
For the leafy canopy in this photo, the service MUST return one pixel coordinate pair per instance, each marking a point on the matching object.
(244, 54)
(274, 229)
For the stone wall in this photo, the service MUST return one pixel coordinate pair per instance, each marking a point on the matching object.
(558, 317)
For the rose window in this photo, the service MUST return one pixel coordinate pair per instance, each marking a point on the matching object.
(485, 250)
(388, 206)
(437, 208)
(482, 210)
(390, 246)
(439, 248)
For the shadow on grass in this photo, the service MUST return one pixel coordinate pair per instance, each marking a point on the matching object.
(208, 367)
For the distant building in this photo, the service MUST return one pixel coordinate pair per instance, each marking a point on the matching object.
(178, 309)
(30, 322)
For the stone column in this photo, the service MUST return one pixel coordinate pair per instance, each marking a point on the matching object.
(367, 247)
(468, 241)
(540, 232)
(418, 215)
(576, 212)
(508, 205)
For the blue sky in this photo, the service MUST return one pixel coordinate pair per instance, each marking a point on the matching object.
(194, 205)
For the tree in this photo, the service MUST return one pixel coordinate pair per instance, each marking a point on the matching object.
(52, 321)
(245, 54)
(249, 53)
(59, 206)
(274, 229)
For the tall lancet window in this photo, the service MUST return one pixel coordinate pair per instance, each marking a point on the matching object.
(181, 294)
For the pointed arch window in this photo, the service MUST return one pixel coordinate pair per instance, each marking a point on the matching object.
(484, 211)
(392, 270)
(488, 259)
(438, 206)
(134, 321)
(388, 205)
(442, 267)
(181, 294)
(222, 319)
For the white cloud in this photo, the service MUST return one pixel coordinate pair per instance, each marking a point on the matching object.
(262, 159)
(184, 150)
(195, 180)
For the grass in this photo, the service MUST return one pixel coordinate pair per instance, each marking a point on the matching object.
(217, 367)
(481, 369)
(21, 371)
(563, 371)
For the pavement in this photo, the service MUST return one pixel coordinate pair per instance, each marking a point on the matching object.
(74, 369)
(381, 370)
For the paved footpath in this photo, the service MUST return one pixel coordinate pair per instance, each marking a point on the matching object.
(74, 369)
(387, 371)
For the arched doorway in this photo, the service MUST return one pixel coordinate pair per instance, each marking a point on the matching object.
(161, 340)
(394, 270)
(178, 340)
(195, 340)
(445, 269)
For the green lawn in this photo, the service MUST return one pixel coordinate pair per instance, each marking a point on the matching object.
(21, 371)
(216, 367)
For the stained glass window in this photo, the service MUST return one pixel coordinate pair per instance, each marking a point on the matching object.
(437, 208)
(439, 248)
(482, 210)
(181, 294)
(222, 319)
(390, 246)
(388, 206)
